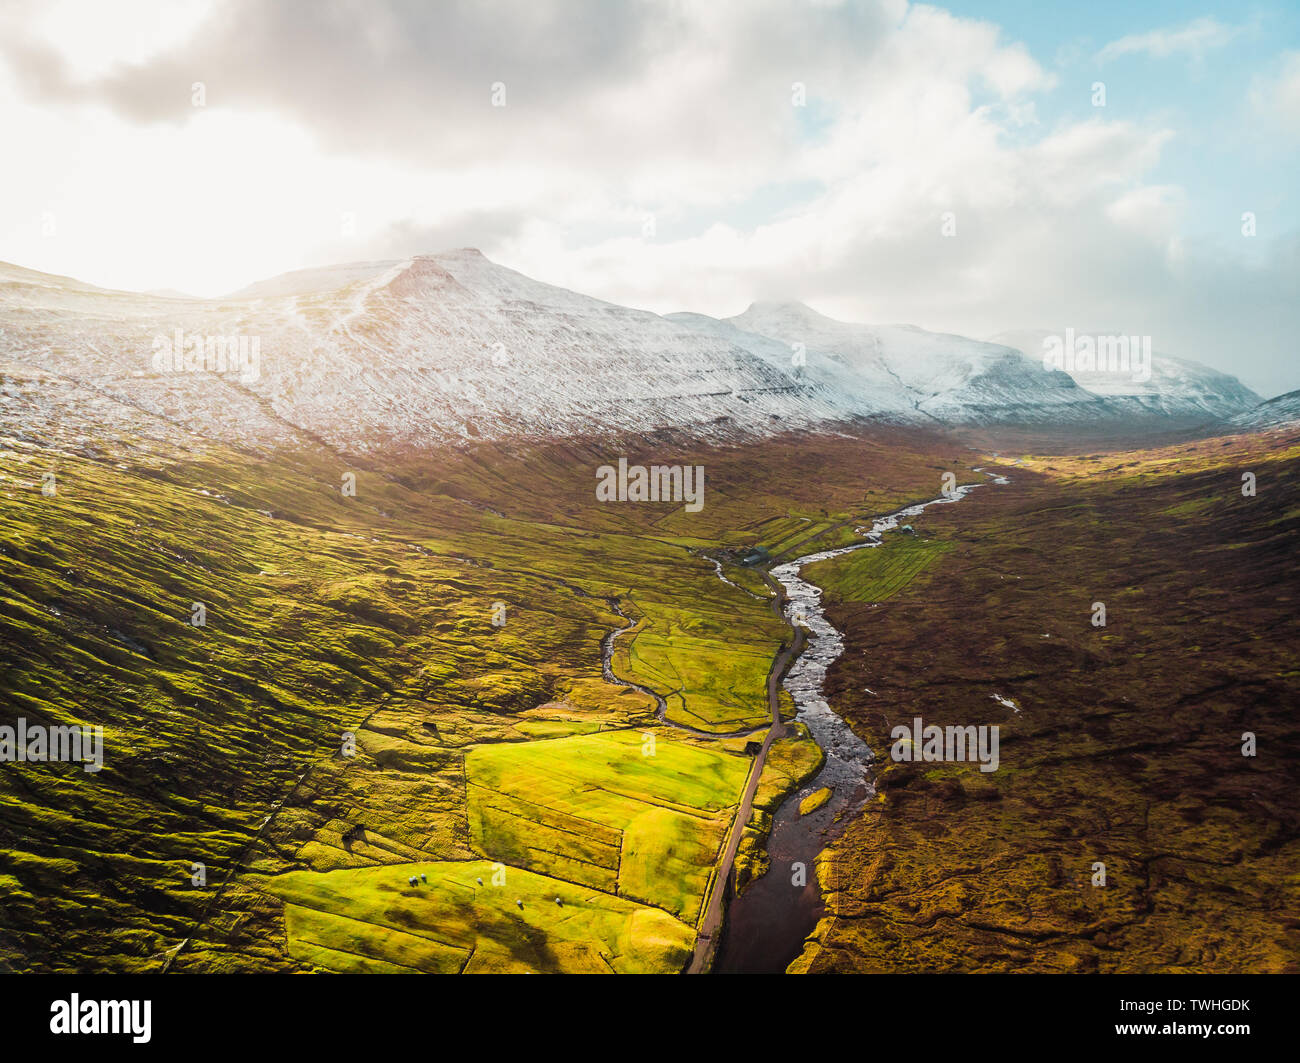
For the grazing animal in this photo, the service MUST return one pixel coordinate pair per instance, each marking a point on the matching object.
(479, 881)
(424, 877)
(411, 881)
(519, 902)
(559, 902)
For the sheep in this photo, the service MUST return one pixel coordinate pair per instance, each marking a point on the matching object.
(411, 881)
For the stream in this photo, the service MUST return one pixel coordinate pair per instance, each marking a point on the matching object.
(768, 923)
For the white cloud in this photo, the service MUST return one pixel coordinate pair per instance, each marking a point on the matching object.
(1195, 39)
(1276, 97)
(681, 111)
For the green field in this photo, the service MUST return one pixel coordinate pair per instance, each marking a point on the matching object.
(640, 814)
(876, 573)
(711, 680)
(374, 920)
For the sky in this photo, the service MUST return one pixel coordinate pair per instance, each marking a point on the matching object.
(973, 168)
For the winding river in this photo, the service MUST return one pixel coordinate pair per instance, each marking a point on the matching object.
(768, 923)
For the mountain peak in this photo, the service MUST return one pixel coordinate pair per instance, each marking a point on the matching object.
(778, 313)
(785, 306)
(459, 252)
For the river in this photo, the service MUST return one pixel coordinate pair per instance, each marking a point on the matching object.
(768, 923)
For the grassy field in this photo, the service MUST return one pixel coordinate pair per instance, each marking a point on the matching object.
(711, 680)
(637, 813)
(471, 917)
(875, 573)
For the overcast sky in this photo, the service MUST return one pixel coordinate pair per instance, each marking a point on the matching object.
(686, 156)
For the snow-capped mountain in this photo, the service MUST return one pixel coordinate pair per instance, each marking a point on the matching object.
(1177, 388)
(448, 347)
(426, 350)
(900, 372)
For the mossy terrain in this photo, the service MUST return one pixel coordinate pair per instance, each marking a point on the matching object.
(814, 801)
(1124, 747)
(373, 671)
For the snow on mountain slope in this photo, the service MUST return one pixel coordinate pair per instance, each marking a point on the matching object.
(317, 279)
(904, 372)
(1283, 410)
(431, 349)
(18, 277)
(1178, 388)
(448, 347)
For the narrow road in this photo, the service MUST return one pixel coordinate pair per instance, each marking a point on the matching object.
(706, 941)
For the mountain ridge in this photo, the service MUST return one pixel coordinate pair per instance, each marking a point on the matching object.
(452, 346)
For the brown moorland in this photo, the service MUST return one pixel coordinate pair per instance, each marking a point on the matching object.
(1125, 743)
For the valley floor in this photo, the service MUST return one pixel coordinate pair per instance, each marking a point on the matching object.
(405, 683)
(392, 743)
